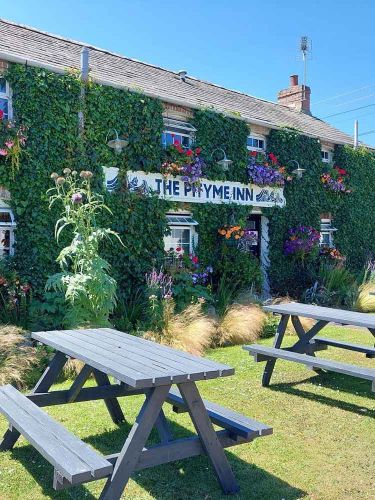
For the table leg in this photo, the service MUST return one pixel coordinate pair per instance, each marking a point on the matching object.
(270, 365)
(113, 406)
(208, 437)
(371, 330)
(43, 385)
(132, 449)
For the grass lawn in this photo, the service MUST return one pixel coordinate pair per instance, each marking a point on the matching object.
(323, 446)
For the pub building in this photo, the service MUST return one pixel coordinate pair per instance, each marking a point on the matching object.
(181, 94)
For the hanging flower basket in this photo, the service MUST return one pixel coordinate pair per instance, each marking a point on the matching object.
(335, 180)
(302, 242)
(184, 162)
(264, 170)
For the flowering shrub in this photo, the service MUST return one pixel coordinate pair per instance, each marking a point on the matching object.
(15, 298)
(228, 232)
(186, 163)
(14, 141)
(335, 180)
(302, 241)
(191, 281)
(331, 254)
(264, 170)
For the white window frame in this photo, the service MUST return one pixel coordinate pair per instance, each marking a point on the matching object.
(178, 127)
(326, 229)
(7, 95)
(183, 223)
(328, 153)
(257, 138)
(7, 226)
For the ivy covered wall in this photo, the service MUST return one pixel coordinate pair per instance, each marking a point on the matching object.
(48, 104)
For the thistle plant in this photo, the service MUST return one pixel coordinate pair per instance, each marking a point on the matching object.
(90, 291)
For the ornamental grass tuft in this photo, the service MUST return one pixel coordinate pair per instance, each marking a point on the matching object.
(241, 324)
(190, 330)
(366, 302)
(17, 356)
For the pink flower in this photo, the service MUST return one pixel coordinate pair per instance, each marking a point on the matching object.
(9, 144)
(3, 152)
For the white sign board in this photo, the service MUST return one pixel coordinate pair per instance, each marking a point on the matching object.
(175, 189)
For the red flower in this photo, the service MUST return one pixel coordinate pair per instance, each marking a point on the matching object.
(253, 153)
(1, 114)
(176, 142)
(195, 259)
(178, 249)
(198, 151)
(189, 152)
(341, 171)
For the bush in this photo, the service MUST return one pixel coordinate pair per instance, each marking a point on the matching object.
(15, 297)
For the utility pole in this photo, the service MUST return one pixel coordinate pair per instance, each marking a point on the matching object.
(355, 134)
(84, 78)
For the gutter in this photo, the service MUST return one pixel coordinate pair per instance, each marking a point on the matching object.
(177, 102)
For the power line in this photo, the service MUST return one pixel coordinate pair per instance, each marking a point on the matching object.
(368, 132)
(348, 111)
(354, 100)
(343, 94)
(346, 118)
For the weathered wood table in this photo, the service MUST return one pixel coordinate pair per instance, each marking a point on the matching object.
(303, 351)
(140, 367)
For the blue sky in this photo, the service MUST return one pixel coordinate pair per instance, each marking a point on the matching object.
(248, 45)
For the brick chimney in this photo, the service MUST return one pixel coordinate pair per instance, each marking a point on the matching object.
(296, 96)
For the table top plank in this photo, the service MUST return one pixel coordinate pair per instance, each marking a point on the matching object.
(171, 352)
(116, 351)
(324, 313)
(132, 360)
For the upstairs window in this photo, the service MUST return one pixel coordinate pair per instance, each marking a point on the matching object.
(182, 233)
(256, 143)
(326, 156)
(5, 104)
(176, 130)
(7, 225)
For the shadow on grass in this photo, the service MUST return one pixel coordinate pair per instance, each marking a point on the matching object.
(194, 478)
(336, 382)
(42, 472)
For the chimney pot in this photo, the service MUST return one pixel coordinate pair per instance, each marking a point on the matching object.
(293, 79)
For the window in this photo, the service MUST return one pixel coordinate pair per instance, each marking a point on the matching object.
(256, 143)
(327, 232)
(182, 232)
(326, 156)
(5, 104)
(7, 225)
(175, 130)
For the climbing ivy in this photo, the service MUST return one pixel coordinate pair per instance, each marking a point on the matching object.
(215, 130)
(48, 105)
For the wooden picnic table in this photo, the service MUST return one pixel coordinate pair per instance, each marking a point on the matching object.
(303, 351)
(139, 367)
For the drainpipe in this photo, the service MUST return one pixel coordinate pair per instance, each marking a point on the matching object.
(84, 78)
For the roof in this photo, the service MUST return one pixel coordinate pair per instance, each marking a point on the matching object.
(21, 43)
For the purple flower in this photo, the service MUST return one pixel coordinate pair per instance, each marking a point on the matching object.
(264, 176)
(77, 198)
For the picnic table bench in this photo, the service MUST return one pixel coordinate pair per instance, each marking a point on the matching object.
(303, 351)
(140, 367)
